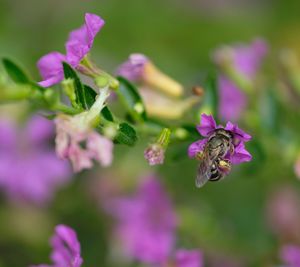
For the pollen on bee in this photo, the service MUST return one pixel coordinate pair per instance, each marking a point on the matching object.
(200, 155)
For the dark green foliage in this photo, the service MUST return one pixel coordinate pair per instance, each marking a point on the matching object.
(130, 98)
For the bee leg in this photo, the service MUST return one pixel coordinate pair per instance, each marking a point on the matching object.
(231, 149)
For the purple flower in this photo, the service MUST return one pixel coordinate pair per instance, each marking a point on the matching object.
(65, 248)
(283, 214)
(146, 223)
(290, 255)
(133, 68)
(233, 101)
(29, 168)
(188, 258)
(208, 126)
(78, 46)
(138, 68)
(154, 154)
(246, 61)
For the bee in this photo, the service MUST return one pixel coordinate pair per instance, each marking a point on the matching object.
(213, 165)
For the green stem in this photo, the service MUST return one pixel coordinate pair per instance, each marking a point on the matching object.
(65, 109)
(14, 93)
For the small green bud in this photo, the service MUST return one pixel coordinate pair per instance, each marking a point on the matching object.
(139, 108)
(181, 133)
(102, 81)
(50, 96)
(69, 89)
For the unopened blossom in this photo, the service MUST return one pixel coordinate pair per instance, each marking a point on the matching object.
(155, 153)
(165, 107)
(290, 255)
(188, 258)
(78, 45)
(65, 248)
(245, 61)
(146, 223)
(138, 68)
(77, 140)
(208, 126)
(29, 168)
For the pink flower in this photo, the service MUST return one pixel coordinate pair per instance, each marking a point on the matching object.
(25, 154)
(188, 258)
(65, 248)
(78, 46)
(290, 255)
(246, 60)
(208, 126)
(80, 143)
(133, 69)
(283, 214)
(154, 154)
(138, 68)
(146, 223)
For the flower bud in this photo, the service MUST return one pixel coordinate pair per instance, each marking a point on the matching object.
(139, 68)
(155, 153)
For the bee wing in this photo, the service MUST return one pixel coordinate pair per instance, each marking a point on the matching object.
(204, 172)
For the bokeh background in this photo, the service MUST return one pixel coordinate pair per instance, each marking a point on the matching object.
(226, 220)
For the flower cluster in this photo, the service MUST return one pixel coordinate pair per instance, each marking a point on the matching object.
(81, 145)
(146, 226)
(25, 155)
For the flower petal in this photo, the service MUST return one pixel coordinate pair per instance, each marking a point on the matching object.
(50, 68)
(290, 255)
(93, 25)
(133, 68)
(66, 247)
(188, 258)
(207, 125)
(39, 130)
(100, 148)
(248, 58)
(196, 147)
(238, 133)
(232, 100)
(240, 154)
(81, 40)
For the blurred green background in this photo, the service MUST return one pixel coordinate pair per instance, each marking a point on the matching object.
(225, 219)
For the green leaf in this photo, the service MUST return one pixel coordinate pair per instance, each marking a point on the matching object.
(90, 95)
(126, 135)
(131, 100)
(15, 72)
(79, 88)
(107, 114)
